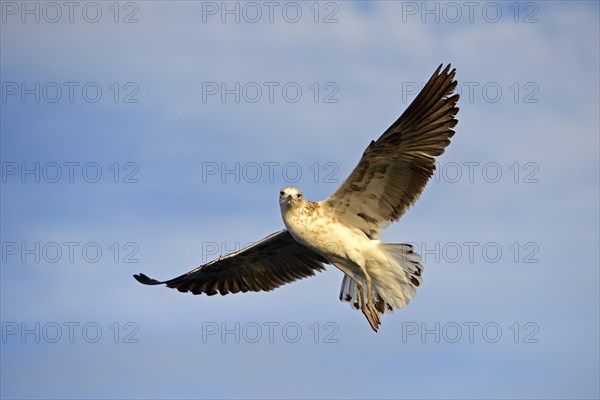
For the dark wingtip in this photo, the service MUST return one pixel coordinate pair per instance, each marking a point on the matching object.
(141, 278)
(448, 70)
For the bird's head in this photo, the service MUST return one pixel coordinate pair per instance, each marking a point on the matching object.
(290, 197)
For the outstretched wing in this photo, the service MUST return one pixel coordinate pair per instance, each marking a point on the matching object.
(274, 261)
(394, 170)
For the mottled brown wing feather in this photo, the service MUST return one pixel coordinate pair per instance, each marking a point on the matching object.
(274, 261)
(394, 170)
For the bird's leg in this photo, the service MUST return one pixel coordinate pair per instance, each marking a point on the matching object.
(367, 307)
(371, 303)
(369, 288)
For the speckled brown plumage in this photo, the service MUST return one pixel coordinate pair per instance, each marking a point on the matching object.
(394, 170)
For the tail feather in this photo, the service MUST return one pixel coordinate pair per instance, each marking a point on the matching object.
(393, 286)
(349, 292)
(409, 260)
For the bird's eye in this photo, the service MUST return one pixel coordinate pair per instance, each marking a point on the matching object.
(299, 195)
(281, 193)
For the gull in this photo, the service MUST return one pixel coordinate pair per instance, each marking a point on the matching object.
(344, 229)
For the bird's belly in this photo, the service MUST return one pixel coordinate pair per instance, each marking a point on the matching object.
(333, 240)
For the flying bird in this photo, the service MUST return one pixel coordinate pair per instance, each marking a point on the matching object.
(344, 229)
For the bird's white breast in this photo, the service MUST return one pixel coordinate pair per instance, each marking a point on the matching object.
(315, 228)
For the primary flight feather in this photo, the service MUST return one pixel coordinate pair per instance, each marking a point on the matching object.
(344, 229)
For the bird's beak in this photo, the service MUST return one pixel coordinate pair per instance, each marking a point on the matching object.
(289, 198)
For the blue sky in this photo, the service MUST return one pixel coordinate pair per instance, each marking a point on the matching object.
(139, 163)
